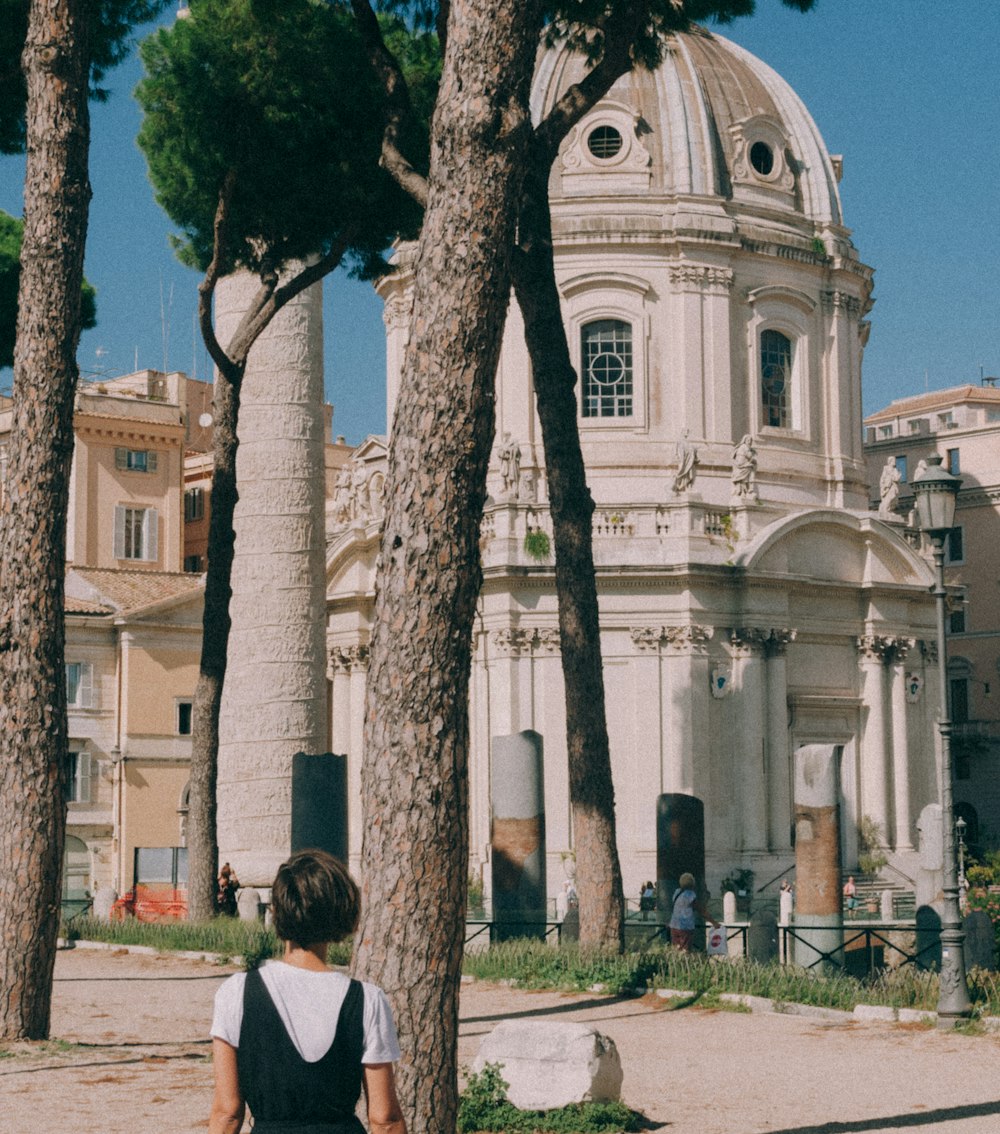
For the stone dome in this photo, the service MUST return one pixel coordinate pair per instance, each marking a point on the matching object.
(712, 121)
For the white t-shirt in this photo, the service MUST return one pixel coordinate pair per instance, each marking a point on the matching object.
(309, 1005)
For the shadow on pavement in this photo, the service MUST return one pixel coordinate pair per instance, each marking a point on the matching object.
(897, 1121)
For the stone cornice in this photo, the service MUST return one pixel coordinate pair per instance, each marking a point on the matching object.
(518, 641)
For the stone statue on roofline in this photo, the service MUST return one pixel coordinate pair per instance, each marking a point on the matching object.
(744, 477)
(687, 461)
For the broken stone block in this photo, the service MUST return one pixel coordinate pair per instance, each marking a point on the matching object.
(552, 1064)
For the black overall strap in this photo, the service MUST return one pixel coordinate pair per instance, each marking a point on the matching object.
(285, 1093)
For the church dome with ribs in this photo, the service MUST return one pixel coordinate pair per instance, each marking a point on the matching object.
(712, 121)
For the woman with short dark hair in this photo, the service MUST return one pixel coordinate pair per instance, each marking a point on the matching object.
(295, 1039)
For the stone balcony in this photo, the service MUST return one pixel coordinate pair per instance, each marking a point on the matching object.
(633, 535)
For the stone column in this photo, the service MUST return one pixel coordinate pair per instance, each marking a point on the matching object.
(518, 833)
(751, 772)
(779, 768)
(903, 835)
(647, 669)
(819, 924)
(687, 666)
(874, 786)
(275, 694)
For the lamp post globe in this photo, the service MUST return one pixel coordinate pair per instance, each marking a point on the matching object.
(936, 492)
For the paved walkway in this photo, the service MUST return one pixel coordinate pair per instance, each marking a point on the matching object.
(131, 1056)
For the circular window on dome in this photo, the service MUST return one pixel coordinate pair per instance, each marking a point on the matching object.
(762, 158)
(605, 142)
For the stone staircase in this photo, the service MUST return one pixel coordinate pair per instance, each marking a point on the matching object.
(870, 888)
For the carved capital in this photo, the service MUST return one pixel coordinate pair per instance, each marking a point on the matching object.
(778, 641)
(397, 311)
(546, 640)
(886, 648)
(701, 277)
(646, 639)
(343, 659)
(929, 652)
(512, 641)
(748, 640)
(841, 301)
(687, 639)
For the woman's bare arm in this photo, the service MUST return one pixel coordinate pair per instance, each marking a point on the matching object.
(385, 1115)
(228, 1106)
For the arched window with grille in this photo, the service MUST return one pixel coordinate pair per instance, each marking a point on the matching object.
(775, 378)
(606, 362)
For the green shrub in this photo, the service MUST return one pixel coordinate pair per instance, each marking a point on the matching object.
(484, 1106)
(537, 544)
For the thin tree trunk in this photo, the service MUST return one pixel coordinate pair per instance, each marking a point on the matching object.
(598, 872)
(592, 798)
(415, 764)
(203, 847)
(33, 525)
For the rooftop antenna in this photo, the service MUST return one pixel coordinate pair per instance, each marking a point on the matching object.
(165, 319)
(927, 383)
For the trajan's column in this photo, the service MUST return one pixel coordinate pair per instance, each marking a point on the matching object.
(274, 703)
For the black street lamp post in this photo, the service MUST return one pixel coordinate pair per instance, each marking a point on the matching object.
(936, 491)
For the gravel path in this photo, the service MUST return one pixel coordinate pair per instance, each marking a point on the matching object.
(131, 1055)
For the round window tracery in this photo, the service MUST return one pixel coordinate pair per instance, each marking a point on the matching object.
(604, 142)
(607, 368)
(762, 158)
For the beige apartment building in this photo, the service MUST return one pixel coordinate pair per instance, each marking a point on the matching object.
(133, 628)
(962, 424)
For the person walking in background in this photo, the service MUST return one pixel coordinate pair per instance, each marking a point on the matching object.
(685, 904)
(226, 890)
(647, 900)
(850, 894)
(295, 1039)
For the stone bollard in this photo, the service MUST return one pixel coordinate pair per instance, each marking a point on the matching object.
(548, 1064)
(103, 901)
(518, 836)
(248, 903)
(885, 905)
(728, 908)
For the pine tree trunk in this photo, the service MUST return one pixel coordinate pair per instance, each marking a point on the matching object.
(33, 524)
(598, 873)
(203, 847)
(415, 764)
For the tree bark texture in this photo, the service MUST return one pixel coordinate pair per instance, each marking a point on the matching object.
(592, 798)
(415, 763)
(203, 845)
(33, 520)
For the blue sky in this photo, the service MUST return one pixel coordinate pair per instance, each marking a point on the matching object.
(906, 90)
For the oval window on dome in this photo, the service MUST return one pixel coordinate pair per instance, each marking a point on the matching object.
(762, 158)
(604, 142)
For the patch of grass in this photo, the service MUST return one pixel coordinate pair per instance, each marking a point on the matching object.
(225, 936)
(484, 1106)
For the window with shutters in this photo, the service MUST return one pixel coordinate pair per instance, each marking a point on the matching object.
(80, 685)
(78, 776)
(194, 504)
(136, 460)
(136, 533)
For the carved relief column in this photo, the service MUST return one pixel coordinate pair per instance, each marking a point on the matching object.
(874, 786)
(778, 755)
(686, 662)
(749, 746)
(903, 837)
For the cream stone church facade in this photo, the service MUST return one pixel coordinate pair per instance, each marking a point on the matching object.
(750, 601)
